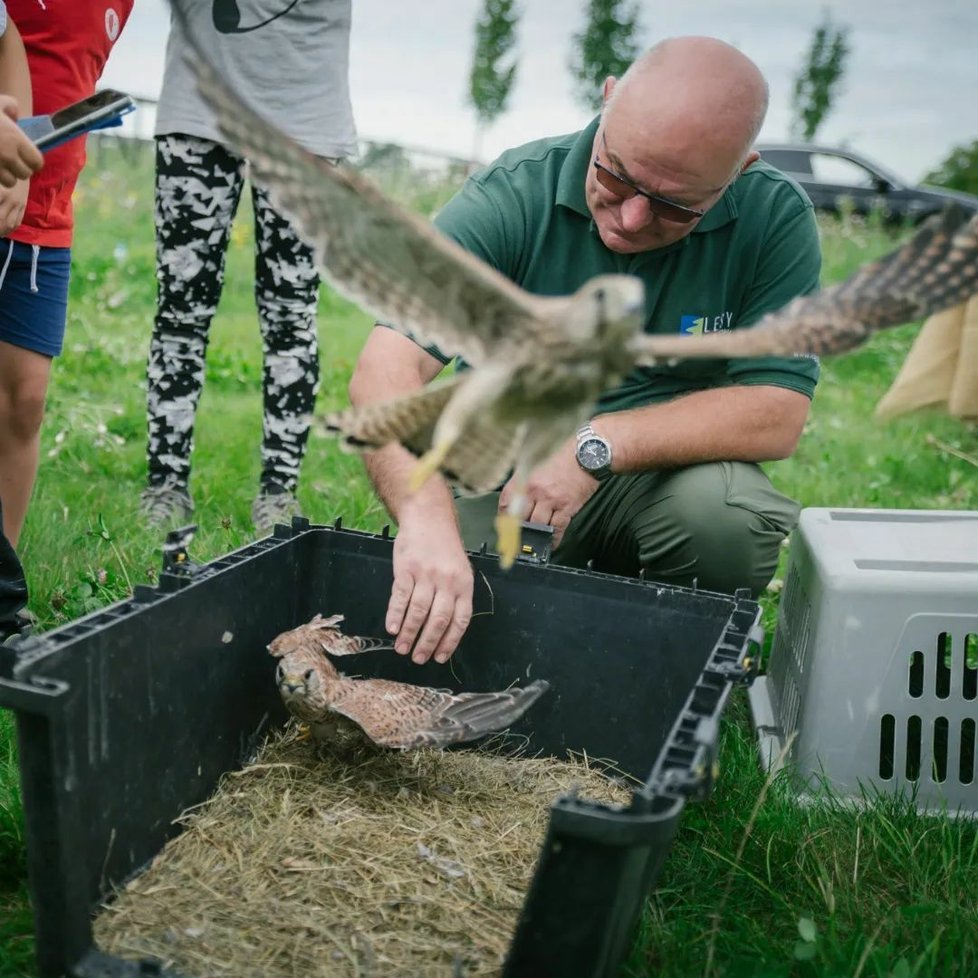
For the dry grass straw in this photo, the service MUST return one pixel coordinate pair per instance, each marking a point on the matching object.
(349, 862)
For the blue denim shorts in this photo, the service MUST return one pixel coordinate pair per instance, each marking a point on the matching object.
(34, 295)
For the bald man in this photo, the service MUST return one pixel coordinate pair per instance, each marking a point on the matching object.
(664, 185)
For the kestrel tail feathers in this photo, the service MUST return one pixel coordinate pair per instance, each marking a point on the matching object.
(935, 269)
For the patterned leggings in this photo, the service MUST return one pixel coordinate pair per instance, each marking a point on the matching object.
(198, 186)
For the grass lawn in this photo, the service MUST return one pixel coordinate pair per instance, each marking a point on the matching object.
(785, 892)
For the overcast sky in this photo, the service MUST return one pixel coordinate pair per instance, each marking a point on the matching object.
(910, 91)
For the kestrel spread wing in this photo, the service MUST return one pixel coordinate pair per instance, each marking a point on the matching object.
(391, 714)
(935, 269)
(400, 715)
(324, 634)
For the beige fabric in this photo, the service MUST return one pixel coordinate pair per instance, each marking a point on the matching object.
(963, 399)
(941, 369)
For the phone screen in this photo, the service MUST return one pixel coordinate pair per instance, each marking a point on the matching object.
(101, 102)
(102, 109)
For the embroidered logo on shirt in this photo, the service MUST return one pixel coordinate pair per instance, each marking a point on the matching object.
(694, 325)
(111, 24)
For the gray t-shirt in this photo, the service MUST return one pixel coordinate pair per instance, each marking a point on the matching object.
(288, 60)
(3, 18)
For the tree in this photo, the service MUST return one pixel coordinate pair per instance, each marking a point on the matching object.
(817, 83)
(606, 46)
(491, 80)
(959, 171)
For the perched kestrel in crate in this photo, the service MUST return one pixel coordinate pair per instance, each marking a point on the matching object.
(391, 714)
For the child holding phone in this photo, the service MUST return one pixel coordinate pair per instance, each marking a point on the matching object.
(67, 45)
(19, 158)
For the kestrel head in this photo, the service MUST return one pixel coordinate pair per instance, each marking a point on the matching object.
(607, 310)
(301, 676)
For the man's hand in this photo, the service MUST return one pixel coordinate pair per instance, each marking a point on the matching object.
(19, 157)
(431, 601)
(556, 491)
(13, 202)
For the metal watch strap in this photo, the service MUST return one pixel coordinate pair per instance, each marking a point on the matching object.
(583, 434)
(586, 431)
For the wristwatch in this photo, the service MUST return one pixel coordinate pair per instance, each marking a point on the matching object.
(593, 452)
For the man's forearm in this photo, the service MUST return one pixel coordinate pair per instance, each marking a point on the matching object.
(390, 470)
(746, 424)
(392, 366)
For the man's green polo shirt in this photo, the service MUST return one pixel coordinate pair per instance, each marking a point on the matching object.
(754, 251)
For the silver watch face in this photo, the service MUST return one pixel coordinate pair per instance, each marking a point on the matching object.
(593, 454)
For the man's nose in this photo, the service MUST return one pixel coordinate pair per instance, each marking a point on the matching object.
(635, 213)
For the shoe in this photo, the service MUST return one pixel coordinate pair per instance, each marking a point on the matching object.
(165, 506)
(272, 505)
(13, 632)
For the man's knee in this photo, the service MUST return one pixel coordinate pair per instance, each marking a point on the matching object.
(735, 548)
(727, 535)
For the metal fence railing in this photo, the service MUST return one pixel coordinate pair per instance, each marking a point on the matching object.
(135, 136)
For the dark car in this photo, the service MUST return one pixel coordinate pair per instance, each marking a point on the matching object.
(836, 179)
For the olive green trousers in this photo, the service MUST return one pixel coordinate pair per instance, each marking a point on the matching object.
(718, 525)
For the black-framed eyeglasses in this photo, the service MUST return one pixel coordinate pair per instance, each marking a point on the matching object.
(662, 207)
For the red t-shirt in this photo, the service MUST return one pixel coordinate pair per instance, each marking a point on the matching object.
(68, 43)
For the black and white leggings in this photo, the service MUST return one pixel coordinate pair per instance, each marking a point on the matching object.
(198, 186)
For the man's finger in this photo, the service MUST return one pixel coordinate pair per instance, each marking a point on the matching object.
(438, 622)
(415, 616)
(541, 513)
(398, 604)
(460, 622)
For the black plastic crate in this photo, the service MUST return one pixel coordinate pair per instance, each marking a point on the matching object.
(131, 715)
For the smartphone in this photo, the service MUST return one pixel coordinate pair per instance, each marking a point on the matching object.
(98, 111)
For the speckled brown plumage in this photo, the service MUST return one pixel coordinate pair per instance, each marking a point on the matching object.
(391, 714)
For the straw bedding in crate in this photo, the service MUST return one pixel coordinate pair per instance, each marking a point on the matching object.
(349, 861)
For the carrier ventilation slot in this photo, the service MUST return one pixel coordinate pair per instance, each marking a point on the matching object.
(969, 678)
(944, 668)
(944, 763)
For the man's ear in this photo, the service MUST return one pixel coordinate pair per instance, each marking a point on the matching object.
(607, 89)
(752, 157)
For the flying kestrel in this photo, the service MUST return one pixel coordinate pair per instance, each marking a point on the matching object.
(391, 714)
(540, 363)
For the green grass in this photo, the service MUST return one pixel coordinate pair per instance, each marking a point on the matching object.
(881, 892)
(814, 892)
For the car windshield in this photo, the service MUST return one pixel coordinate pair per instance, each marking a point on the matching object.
(828, 167)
